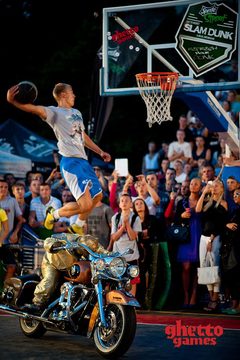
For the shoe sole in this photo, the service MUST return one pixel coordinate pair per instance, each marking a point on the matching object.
(70, 229)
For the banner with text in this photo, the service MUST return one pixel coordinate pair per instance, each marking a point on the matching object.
(207, 36)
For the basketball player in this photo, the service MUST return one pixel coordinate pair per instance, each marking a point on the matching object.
(67, 124)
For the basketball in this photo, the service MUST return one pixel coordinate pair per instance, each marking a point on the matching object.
(27, 92)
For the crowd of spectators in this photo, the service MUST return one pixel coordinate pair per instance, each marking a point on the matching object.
(178, 182)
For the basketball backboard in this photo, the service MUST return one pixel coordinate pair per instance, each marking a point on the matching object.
(152, 38)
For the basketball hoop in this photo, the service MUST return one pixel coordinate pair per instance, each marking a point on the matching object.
(157, 89)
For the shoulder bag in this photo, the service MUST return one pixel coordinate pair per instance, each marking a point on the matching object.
(209, 273)
(178, 234)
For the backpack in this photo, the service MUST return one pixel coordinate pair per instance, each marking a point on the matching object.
(118, 216)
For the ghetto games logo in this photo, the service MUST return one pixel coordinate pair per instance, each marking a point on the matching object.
(193, 335)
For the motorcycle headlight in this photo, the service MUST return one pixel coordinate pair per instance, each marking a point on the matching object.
(100, 264)
(117, 266)
(133, 271)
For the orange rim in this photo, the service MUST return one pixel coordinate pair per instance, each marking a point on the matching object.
(156, 75)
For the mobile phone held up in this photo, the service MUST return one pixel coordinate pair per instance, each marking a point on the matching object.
(121, 166)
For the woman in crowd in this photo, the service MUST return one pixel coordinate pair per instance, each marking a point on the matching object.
(188, 254)
(213, 208)
(230, 255)
(200, 151)
(146, 237)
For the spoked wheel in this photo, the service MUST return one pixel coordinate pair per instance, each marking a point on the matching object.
(115, 340)
(32, 328)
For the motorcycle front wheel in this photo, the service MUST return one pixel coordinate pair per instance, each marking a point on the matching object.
(32, 328)
(115, 340)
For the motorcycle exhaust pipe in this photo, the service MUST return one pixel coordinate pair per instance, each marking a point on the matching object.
(25, 315)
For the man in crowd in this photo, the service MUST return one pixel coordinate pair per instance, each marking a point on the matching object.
(38, 208)
(15, 221)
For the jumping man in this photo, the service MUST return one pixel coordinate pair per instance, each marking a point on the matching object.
(67, 124)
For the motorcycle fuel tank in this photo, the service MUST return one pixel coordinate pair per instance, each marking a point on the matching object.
(80, 272)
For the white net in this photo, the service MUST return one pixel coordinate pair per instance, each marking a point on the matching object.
(157, 89)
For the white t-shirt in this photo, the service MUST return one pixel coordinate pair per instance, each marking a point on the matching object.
(40, 208)
(180, 178)
(184, 147)
(68, 127)
(123, 243)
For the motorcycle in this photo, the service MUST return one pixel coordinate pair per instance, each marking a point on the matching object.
(92, 300)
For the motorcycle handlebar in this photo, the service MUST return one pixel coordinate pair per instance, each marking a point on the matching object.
(72, 246)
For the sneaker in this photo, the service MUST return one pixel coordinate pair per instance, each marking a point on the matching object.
(49, 219)
(212, 306)
(232, 311)
(225, 311)
(76, 229)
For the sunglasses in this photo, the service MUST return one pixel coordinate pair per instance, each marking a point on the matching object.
(236, 194)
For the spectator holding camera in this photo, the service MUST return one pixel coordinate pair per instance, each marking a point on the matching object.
(188, 254)
(149, 235)
(115, 187)
(213, 209)
(56, 181)
(230, 257)
(147, 193)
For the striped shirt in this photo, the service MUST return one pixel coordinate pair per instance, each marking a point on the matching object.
(40, 208)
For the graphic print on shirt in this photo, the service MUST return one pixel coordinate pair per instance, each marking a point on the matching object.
(76, 129)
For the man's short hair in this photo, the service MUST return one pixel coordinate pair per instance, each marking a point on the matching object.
(150, 172)
(125, 194)
(18, 184)
(45, 184)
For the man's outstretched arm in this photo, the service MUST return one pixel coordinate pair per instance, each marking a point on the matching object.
(30, 108)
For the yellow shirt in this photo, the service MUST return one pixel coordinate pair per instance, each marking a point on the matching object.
(3, 217)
